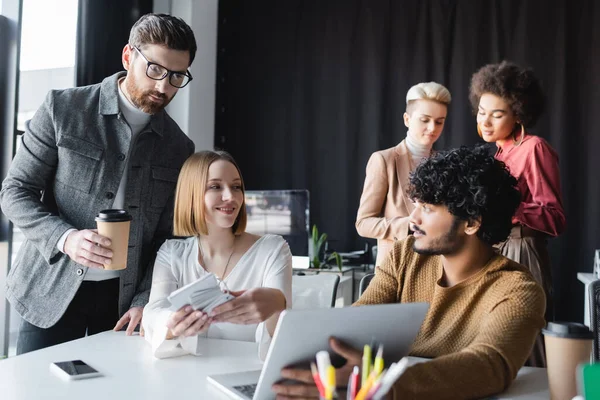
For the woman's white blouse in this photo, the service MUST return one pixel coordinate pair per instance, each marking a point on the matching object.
(267, 263)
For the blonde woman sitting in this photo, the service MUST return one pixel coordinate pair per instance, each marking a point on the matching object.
(210, 209)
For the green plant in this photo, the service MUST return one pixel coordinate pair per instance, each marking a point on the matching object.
(317, 242)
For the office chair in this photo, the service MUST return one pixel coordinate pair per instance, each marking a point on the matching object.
(364, 282)
(314, 291)
(374, 254)
(594, 293)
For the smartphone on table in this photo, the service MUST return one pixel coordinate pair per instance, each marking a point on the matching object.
(74, 369)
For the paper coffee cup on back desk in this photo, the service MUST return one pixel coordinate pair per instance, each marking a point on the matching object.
(114, 224)
(568, 344)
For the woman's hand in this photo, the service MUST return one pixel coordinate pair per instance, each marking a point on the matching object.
(187, 322)
(250, 306)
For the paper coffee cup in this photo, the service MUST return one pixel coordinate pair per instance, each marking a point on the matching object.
(114, 224)
(568, 344)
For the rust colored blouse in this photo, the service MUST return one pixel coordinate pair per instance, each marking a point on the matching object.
(535, 165)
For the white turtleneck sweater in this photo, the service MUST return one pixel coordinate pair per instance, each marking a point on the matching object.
(418, 152)
(137, 120)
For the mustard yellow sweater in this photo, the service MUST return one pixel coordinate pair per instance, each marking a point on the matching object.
(479, 332)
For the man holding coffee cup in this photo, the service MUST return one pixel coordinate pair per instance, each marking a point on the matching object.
(89, 150)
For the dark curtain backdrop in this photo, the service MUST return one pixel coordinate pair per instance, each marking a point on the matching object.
(102, 32)
(307, 90)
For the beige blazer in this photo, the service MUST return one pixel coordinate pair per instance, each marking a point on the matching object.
(384, 206)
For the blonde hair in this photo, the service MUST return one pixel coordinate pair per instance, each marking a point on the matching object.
(427, 91)
(189, 218)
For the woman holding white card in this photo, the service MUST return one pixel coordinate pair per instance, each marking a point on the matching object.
(257, 270)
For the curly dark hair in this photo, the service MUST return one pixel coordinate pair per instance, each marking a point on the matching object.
(473, 185)
(516, 85)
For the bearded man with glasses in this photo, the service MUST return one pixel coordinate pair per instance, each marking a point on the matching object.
(159, 93)
(87, 149)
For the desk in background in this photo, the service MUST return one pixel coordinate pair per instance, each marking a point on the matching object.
(345, 291)
(132, 373)
(350, 277)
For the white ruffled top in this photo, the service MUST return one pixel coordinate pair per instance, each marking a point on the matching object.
(267, 263)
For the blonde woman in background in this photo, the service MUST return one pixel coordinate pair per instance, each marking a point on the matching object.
(384, 206)
(210, 211)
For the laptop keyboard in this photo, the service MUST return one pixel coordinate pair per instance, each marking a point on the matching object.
(247, 390)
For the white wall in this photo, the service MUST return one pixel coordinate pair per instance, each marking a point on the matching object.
(34, 85)
(193, 108)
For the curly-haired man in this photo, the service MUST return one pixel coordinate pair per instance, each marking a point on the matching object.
(485, 310)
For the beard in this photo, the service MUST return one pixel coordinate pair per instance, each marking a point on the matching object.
(141, 99)
(449, 243)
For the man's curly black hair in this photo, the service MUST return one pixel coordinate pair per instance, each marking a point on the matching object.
(518, 86)
(473, 185)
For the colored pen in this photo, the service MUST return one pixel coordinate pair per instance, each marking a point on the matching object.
(375, 387)
(330, 388)
(362, 394)
(323, 362)
(378, 365)
(392, 375)
(349, 387)
(366, 365)
(317, 379)
(353, 384)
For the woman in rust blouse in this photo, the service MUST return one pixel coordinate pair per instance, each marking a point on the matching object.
(508, 101)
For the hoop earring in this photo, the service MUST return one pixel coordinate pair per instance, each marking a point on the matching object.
(518, 143)
(479, 131)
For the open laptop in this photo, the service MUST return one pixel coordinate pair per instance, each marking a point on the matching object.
(300, 334)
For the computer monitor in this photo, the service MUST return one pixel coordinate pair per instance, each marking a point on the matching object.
(280, 212)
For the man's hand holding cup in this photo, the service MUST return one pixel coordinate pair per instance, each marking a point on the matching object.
(88, 248)
(105, 247)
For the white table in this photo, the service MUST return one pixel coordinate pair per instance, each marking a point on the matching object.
(586, 279)
(531, 384)
(130, 371)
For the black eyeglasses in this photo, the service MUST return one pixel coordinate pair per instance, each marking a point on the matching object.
(158, 73)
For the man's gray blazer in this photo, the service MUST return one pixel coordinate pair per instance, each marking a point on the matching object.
(68, 168)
